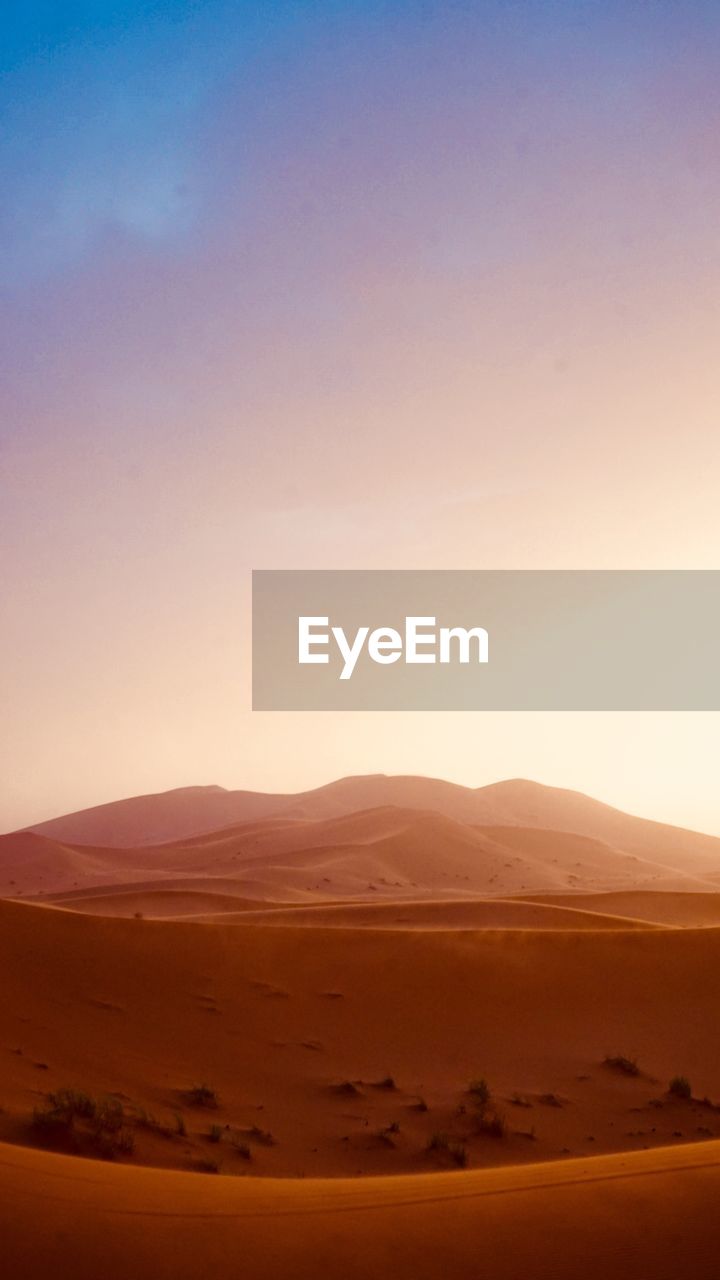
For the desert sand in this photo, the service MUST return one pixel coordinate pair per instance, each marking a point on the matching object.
(274, 1035)
(649, 1214)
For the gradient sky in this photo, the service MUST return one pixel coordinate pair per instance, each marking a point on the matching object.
(309, 285)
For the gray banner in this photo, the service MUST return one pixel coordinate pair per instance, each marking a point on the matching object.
(487, 640)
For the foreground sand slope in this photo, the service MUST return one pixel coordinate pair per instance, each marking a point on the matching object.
(650, 1214)
(295, 1028)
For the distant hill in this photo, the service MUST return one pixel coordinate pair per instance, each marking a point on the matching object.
(394, 837)
(193, 811)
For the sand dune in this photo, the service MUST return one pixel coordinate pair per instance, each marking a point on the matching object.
(276, 1019)
(176, 815)
(160, 817)
(158, 903)
(387, 852)
(467, 913)
(678, 910)
(186, 903)
(188, 811)
(647, 1214)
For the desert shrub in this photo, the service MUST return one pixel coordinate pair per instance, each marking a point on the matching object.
(240, 1144)
(180, 1127)
(62, 1110)
(458, 1153)
(493, 1123)
(49, 1123)
(347, 1088)
(550, 1100)
(444, 1144)
(262, 1136)
(619, 1062)
(679, 1087)
(438, 1142)
(387, 1082)
(125, 1141)
(479, 1091)
(519, 1100)
(146, 1120)
(74, 1119)
(72, 1104)
(204, 1165)
(201, 1095)
(114, 1142)
(215, 1133)
(419, 1105)
(109, 1116)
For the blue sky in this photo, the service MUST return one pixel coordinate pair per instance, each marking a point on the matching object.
(107, 107)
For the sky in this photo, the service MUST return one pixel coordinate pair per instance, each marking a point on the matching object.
(342, 285)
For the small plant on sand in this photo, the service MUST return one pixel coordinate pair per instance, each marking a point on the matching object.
(419, 1105)
(438, 1142)
(201, 1095)
(550, 1100)
(387, 1082)
(679, 1087)
(204, 1165)
(387, 1135)
(240, 1147)
(262, 1136)
(347, 1088)
(215, 1133)
(619, 1062)
(143, 1119)
(78, 1122)
(114, 1142)
(69, 1105)
(458, 1153)
(180, 1127)
(479, 1091)
(443, 1144)
(492, 1122)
